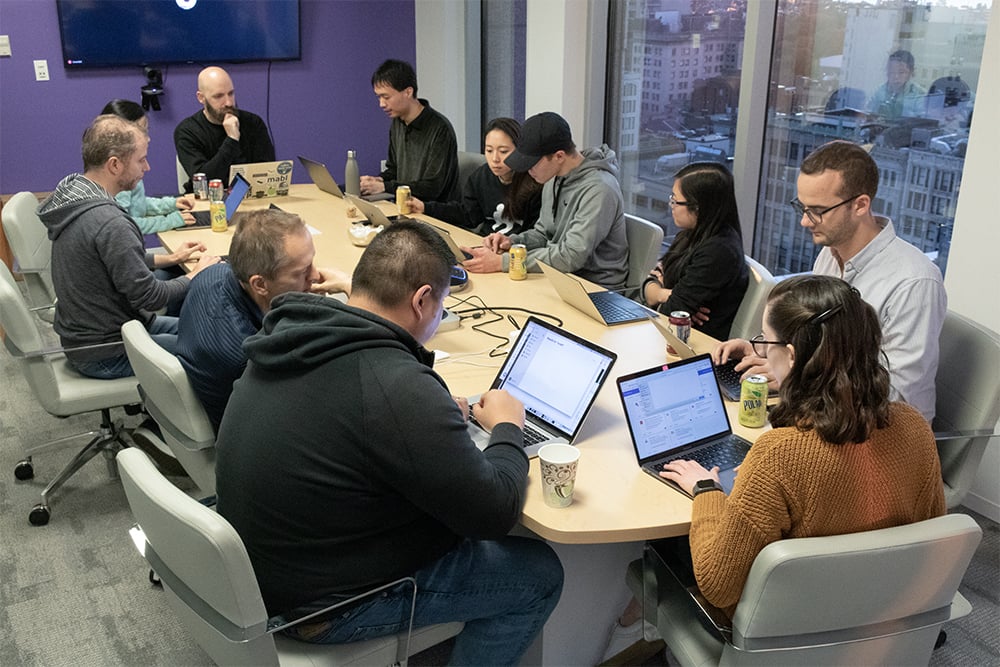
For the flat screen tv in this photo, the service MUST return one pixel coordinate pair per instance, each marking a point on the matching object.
(118, 33)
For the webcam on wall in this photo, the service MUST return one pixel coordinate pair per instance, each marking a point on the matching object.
(153, 89)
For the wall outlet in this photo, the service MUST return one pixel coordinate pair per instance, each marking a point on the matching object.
(4, 45)
(41, 70)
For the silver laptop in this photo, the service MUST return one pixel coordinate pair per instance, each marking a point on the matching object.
(557, 376)
(374, 214)
(267, 179)
(675, 411)
(456, 250)
(607, 307)
(320, 175)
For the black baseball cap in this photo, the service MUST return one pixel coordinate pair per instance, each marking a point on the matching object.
(542, 134)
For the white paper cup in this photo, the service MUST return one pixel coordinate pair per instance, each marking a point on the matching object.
(558, 464)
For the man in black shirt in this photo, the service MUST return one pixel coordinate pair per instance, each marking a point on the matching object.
(423, 151)
(220, 135)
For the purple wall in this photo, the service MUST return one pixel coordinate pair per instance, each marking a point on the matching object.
(320, 106)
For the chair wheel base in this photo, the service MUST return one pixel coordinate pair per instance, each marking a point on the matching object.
(24, 470)
(39, 515)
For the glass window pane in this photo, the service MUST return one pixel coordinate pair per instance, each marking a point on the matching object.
(898, 76)
(674, 88)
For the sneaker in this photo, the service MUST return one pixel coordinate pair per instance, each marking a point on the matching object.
(624, 637)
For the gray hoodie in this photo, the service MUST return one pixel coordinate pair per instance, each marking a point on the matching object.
(581, 227)
(100, 269)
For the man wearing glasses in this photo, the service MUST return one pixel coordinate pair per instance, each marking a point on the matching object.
(836, 187)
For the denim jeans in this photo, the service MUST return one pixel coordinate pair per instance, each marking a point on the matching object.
(163, 330)
(504, 590)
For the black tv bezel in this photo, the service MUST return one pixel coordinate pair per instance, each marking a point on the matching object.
(140, 62)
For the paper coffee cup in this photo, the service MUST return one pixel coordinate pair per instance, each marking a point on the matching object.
(558, 464)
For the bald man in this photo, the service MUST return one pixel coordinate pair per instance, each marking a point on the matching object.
(220, 135)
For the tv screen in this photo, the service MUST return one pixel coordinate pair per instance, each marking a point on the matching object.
(114, 33)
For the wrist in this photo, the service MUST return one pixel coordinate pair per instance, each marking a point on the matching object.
(704, 486)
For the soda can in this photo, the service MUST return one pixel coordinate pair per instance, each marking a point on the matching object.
(518, 269)
(200, 184)
(217, 213)
(403, 199)
(680, 324)
(753, 401)
(215, 190)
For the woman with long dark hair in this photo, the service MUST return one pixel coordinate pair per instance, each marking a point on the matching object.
(704, 267)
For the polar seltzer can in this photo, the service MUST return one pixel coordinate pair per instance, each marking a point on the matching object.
(199, 183)
(753, 401)
(403, 199)
(518, 269)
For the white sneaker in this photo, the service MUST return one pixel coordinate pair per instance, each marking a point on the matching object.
(624, 636)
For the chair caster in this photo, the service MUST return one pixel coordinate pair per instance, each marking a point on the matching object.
(155, 579)
(24, 470)
(39, 515)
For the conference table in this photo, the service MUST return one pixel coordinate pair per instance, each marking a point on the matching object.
(616, 507)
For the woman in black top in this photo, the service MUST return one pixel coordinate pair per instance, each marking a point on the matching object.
(494, 199)
(704, 270)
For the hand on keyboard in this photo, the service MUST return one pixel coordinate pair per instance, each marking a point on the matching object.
(497, 406)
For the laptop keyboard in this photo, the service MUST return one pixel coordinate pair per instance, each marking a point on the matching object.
(729, 380)
(727, 453)
(532, 436)
(613, 311)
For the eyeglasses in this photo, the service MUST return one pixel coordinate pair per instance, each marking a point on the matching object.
(674, 202)
(760, 345)
(816, 217)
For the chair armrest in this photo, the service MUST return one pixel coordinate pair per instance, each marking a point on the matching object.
(679, 578)
(943, 436)
(278, 623)
(15, 351)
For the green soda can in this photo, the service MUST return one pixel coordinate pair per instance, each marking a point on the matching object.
(753, 401)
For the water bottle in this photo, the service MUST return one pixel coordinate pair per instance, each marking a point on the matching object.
(352, 180)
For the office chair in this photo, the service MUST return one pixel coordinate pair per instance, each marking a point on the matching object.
(873, 598)
(172, 403)
(746, 323)
(467, 163)
(644, 240)
(32, 248)
(210, 583)
(182, 176)
(968, 401)
(62, 392)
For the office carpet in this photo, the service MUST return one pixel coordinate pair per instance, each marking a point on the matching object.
(75, 592)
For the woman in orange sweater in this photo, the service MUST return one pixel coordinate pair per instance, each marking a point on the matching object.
(840, 459)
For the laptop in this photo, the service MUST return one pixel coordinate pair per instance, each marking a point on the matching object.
(267, 179)
(557, 376)
(320, 175)
(374, 215)
(675, 411)
(238, 189)
(726, 374)
(610, 308)
(456, 250)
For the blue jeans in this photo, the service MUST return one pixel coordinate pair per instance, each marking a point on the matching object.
(504, 590)
(163, 330)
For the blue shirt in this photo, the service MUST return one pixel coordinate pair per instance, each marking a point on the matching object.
(217, 316)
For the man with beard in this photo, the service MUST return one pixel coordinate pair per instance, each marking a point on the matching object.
(100, 270)
(220, 135)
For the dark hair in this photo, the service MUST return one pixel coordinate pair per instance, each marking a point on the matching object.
(106, 137)
(708, 188)
(838, 385)
(258, 246)
(856, 166)
(903, 56)
(396, 73)
(399, 261)
(517, 204)
(126, 109)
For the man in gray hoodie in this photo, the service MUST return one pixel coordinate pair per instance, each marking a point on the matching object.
(581, 227)
(100, 270)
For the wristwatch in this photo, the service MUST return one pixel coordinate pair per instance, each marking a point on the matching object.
(703, 485)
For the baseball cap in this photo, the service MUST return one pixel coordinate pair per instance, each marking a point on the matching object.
(541, 135)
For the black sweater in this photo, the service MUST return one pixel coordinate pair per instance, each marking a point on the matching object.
(480, 197)
(343, 462)
(204, 147)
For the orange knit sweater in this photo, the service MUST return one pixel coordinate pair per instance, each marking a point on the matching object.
(794, 484)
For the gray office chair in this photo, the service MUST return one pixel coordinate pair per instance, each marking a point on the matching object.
(746, 323)
(644, 240)
(467, 163)
(32, 248)
(182, 176)
(968, 401)
(62, 392)
(872, 598)
(210, 583)
(172, 403)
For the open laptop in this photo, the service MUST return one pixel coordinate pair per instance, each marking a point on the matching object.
(675, 411)
(320, 175)
(267, 179)
(238, 189)
(376, 216)
(456, 250)
(607, 307)
(557, 376)
(726, 374)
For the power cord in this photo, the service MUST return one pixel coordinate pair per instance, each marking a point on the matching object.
(478, 309)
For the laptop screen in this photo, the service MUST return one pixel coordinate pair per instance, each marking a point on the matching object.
(237, 191)
(673, 406)
(555, 374)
